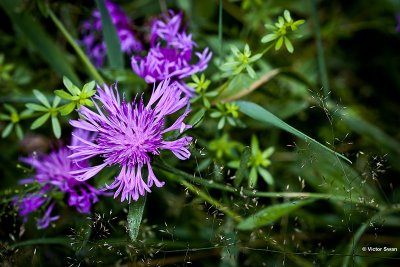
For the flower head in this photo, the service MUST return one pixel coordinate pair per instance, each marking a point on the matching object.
(129, 134)
(170, 53)
(53, 176)
(92, 34)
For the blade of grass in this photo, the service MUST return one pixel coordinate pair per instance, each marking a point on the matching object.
(114, 53)
(258, 113)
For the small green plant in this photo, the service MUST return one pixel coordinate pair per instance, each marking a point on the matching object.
(281, 30)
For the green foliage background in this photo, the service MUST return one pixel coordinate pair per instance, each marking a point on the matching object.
(337, 91)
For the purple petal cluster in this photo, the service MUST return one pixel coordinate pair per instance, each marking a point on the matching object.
(92, 34)
(53, 175)
(129, 134)
(170, 54)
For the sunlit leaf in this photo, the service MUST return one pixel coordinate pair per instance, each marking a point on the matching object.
(271, 214)
(6, 132)
(135, 215)
(258, 113)
(40, 121)
(41, 97)
(56, 126)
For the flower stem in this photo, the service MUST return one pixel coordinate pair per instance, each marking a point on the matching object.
(96, 75)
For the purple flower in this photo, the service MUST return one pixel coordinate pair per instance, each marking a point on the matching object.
(53, 175)
(170, 54)
(92, 34)
(129, 134)
(45, 221)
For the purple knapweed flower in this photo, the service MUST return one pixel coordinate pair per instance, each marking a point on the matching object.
(170, 54)
(129, 134)
(53, 175)
(92, 34)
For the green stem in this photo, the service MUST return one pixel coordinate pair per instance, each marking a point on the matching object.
(43, 241)
(76, 47)
(194, 189)
(250, 193)
(320, 51)
(236, 217)
(351, 248)
(267, 48)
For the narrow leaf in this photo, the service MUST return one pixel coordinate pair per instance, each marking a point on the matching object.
(6, 132)
(114, 53)
(135, 215)
(259, 113)
(66, 109)
(36, 107)
(63, 94)
(19, 132)
(40, 121)
(56, 126)
(271, 214)
(41, 98)
(240, 173)
(197, 118)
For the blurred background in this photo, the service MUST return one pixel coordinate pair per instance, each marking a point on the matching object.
(341, 86)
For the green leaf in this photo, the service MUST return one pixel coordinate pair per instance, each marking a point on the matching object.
(253, 177)
(10, 108)
(66, 109)
(279, 43)
(41, 98)
(40, 121)
(25, 114)
(269, 37)
(36, 107)
(6, 132)
(254, 145)
(5, 117)
(63, 94)
(18, 130)
(266, 175)
(197, 118)
(88, 88)
(221, 123)
(36, 35)
(56, 126)
(259, 113)
(135, 215)
(56, 101)
(289, 45)
(269, 215)
(114, 53)
(240, 173)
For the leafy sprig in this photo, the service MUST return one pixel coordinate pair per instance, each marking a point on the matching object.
(14, 119)
(281, 31)
(257, 163)
(241, 61)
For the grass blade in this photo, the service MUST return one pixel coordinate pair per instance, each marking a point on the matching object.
(259, 113)
(114, 53)
(271, 214)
